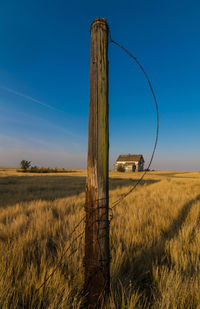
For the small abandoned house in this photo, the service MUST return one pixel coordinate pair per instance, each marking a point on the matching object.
(131, 162)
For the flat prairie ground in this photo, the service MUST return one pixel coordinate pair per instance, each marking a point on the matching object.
(154, 235)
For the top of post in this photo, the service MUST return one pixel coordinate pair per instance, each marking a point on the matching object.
(99, 22)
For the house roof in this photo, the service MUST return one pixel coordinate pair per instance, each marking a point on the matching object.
(130, 157)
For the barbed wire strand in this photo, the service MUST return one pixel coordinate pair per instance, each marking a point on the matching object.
(60, 260)
(80, 236)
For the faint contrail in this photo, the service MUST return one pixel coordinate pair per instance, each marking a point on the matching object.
(29, 98)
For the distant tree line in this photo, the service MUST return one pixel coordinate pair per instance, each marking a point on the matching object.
(26, 167)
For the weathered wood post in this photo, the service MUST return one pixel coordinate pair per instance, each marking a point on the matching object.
(97, 257)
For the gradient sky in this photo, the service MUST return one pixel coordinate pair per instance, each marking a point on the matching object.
(44, 81)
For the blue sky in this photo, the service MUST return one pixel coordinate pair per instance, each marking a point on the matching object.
(44, 81)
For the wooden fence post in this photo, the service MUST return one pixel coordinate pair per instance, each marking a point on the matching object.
(97, 256)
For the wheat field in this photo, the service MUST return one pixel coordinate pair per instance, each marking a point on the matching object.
(154, 234)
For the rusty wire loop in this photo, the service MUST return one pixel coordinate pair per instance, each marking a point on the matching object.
(123, 196)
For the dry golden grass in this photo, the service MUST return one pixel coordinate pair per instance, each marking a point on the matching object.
(155, 240)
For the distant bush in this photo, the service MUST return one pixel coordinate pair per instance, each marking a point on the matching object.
(36, 169)
(120, 168)
(27, 168)
(24, 164)
(44, 170)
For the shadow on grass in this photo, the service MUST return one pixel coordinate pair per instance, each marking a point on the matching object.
(140, 271)
(180, 175)
(16, 189)
(115, 183)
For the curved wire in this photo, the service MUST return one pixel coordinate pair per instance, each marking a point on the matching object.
(157, 118)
